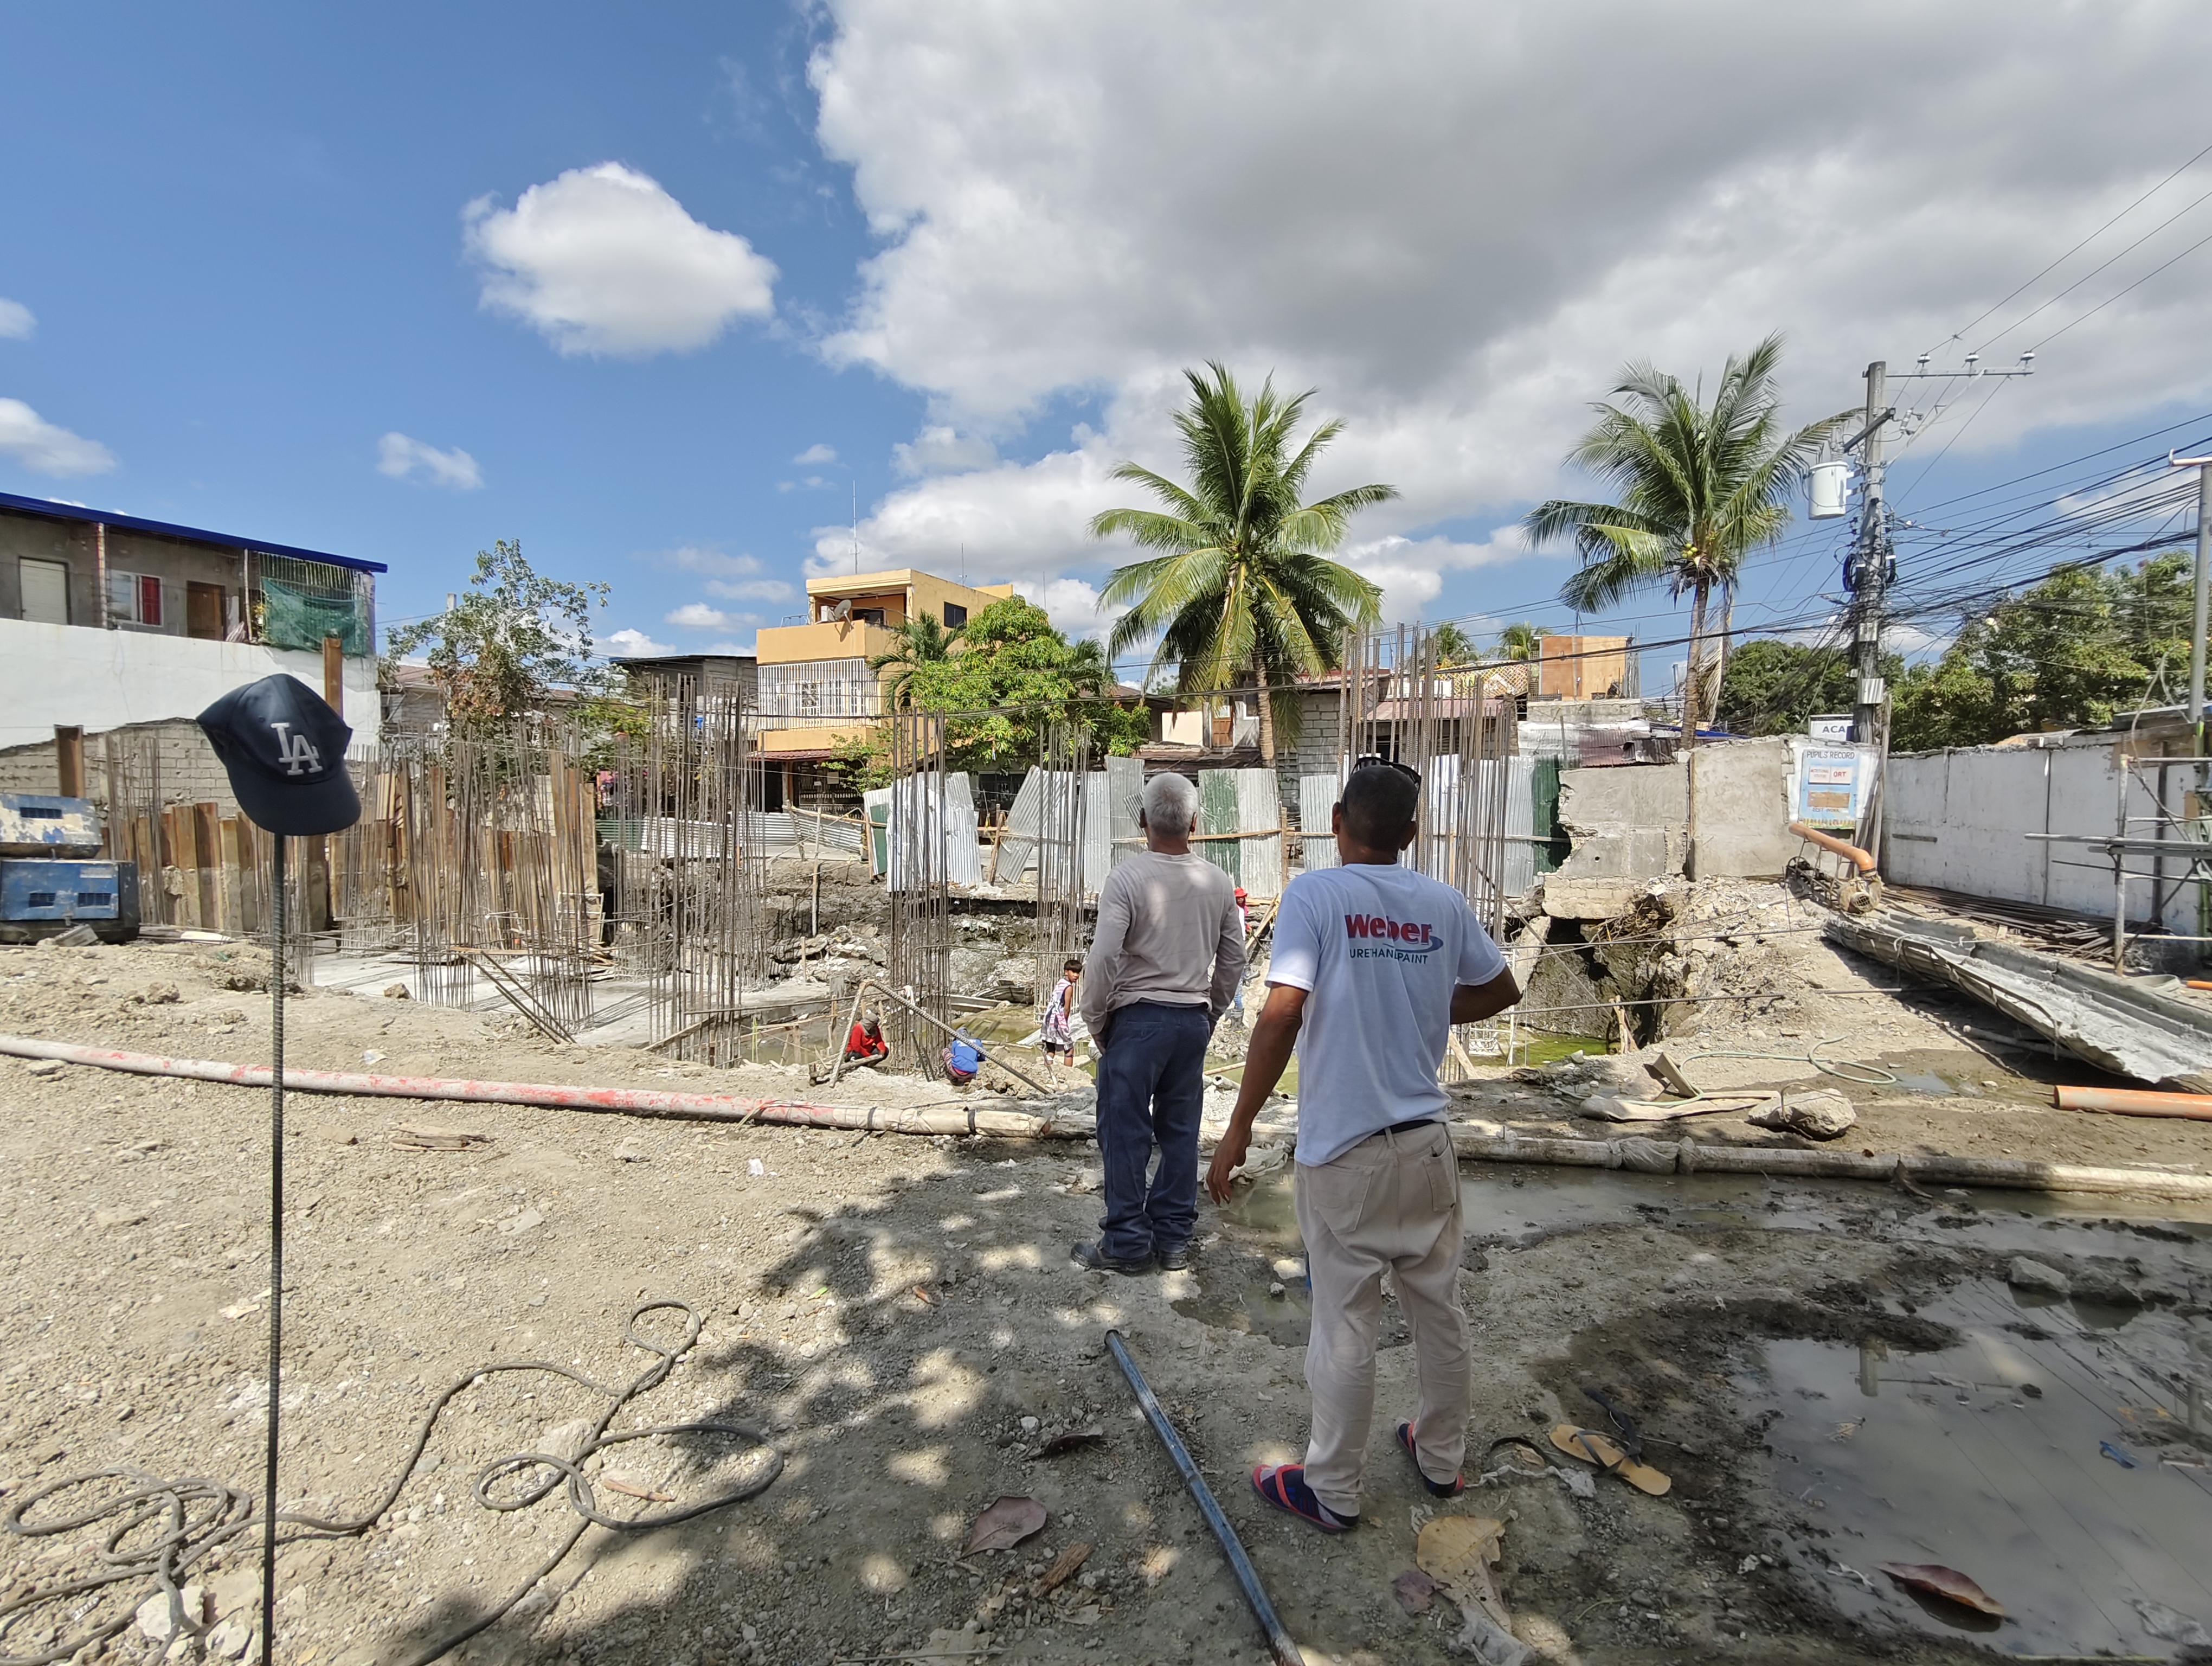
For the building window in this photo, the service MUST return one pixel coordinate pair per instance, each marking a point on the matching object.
(955, 615)
(45, 590)
(818, 691)
(134, 598)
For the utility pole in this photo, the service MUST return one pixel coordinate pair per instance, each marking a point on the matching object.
(2204, 467)
(1870, 576)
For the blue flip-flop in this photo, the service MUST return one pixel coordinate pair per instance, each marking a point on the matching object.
(1284, 1486)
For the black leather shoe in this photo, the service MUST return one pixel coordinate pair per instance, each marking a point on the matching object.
(1175, 1260)
(1094, 1259)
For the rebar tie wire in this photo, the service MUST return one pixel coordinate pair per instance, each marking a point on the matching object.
(163, 1529)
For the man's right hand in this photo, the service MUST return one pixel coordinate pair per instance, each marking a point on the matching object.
(1228, 1157)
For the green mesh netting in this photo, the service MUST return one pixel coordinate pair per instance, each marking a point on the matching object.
(293, 617)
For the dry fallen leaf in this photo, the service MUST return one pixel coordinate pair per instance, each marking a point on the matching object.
(1457, 1551)
(1945, 1582)
(1005, 1525)
(1067, 1441)
(1064, 1570)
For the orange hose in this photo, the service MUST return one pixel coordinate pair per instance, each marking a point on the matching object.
(2135, 1102)
(1830, 843)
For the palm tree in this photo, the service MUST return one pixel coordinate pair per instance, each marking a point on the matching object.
(1697, 488)
(1453, 645)
(1243, 589)
(914, 643)
(1520, 640)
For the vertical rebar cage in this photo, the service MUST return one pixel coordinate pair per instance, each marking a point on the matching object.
(1063, 780)
(918, 878)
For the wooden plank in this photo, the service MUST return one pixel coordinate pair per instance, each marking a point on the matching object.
(177, 835)
(207, 860)
(69, 760)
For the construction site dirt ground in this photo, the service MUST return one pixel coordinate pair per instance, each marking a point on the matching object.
(900, 1318)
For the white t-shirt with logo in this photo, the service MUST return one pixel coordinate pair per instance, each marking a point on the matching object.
(1379, 950)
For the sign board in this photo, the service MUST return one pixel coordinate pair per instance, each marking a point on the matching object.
(1834, 731)
(1830, 785)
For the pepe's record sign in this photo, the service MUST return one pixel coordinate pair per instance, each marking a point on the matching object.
(284, 749)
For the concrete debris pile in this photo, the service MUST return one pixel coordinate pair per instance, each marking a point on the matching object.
(829, 953)
(1659, 958)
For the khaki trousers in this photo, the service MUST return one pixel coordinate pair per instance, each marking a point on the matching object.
(1390, 1201)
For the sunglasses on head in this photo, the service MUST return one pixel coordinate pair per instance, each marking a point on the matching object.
(1375, 758)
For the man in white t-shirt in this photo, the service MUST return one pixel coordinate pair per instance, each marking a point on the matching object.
(1373, 964)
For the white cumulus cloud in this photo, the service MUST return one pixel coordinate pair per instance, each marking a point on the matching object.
(604, 261)
(942, 450)
(629, 644)
(403, 458)
(16, 323)
(1456, 245)
(698, 616)
(38, 445)
(816, 453)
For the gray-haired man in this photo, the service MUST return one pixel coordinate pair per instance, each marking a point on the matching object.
(1167, 955)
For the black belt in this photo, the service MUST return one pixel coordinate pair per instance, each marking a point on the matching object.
(1417, 1122)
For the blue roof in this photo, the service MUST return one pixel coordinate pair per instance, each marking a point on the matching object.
(53, 511)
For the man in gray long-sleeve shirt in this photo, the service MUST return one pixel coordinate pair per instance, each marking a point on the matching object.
(1164, 963)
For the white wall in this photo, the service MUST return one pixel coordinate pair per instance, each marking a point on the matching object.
(1959, 821)
(101, 679)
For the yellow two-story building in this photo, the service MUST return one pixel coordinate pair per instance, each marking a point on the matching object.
(815, 689)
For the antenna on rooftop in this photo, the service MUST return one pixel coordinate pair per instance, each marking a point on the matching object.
(856, 529)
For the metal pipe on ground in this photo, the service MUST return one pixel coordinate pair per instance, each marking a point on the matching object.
(619, 1101)
(1279, 1640)
(1834, 845)
(2134, 1101)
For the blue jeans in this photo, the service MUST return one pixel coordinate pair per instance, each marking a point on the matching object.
(1150, 1085)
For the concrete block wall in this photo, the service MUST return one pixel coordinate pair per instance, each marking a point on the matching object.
(1742, 791)
(190, 772)
(1626, 822)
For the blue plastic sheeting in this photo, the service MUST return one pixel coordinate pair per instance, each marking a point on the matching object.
(36, 890)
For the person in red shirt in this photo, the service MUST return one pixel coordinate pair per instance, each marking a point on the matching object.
(865, 1044)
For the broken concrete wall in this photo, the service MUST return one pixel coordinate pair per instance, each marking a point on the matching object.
(1626, 822)
(1740, 827)
(1729, 821)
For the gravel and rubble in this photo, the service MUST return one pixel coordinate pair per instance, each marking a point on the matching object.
(900, 1317)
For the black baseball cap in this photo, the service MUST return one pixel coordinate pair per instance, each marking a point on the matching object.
(284, 749)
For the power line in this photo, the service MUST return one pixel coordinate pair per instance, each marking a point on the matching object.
(2083, 243)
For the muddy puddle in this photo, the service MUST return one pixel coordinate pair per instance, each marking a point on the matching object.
(2048, 1454)
(2056, 1451)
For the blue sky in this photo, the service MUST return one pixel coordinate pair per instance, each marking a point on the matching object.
(247, 274)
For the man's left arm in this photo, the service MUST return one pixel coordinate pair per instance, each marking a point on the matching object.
(1486, 986)
(1228, 961)
(1471, 1003)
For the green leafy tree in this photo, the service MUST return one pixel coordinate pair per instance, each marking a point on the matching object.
(1772, 687)
(508, 642)
(1242, 591)
(2067, 653)
(1697, 488)
(1014, 672)
(915, 643)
